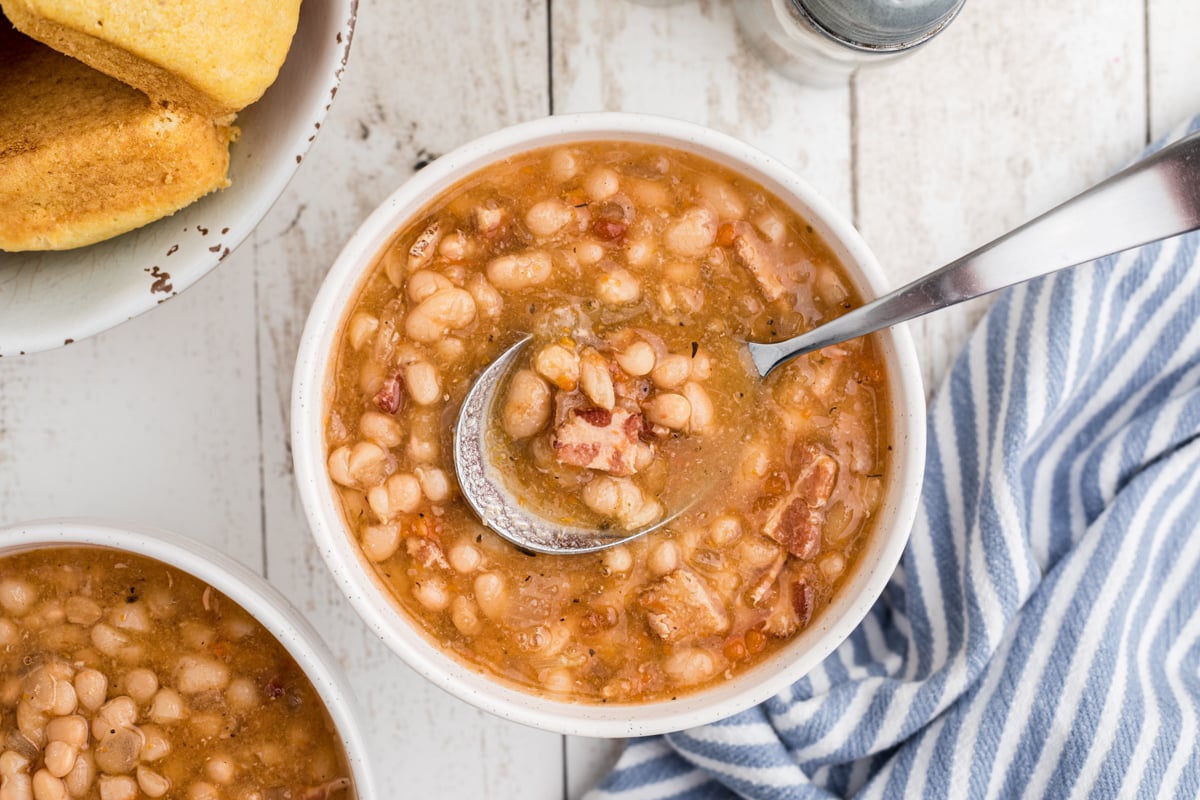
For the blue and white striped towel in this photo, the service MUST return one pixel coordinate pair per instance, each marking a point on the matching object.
(1041, 636)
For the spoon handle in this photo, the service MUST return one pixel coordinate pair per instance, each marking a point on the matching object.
(1151, 200)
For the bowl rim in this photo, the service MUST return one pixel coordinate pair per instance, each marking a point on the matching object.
(241, 584)
(311, 381)
(257, 204)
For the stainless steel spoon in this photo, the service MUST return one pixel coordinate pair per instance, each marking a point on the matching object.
(1151, 200)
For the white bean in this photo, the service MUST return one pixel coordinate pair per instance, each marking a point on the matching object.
(701, 365)
(589, 252)
(400, 495)
(82, 611)
(79, 779)
(47, 786)
(689, 666)
(464, 557)
(453, 246)
(640, 252)
(367, 464)
(339, 467)
(601, 495)
(91, 688)
(426, 283)
(155, 744)
(548, 217)
(17, 787)
(637, 359)
(195, 674)
(618, 287)
(17, 596)
(601, 183)
(669, 409)
(380, 542)
(671, 371)
(431, 593)
(203, 791)
(383, 429)
(151, 783)
(71, 730)
(118, 787)
(424, 384)
(526, 408)
(563, 165)
(559, 365)
(361, 328)
(107, 639)
(131, 617)
(220, 769)
(488, 301)
(701, 407)
(595, 380)
(723, 198)
(60, 758)
(465, 616)
(242, 694)
(491, 595)
(664, 558)
(517, 271)
(435, 484)
(617, 560)
(693, 233)
(771, 226)
(440, 313)
(724, 531)
(167, 706)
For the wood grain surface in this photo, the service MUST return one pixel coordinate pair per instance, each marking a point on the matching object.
(180, 418)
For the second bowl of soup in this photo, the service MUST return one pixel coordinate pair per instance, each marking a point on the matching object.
(640, 254)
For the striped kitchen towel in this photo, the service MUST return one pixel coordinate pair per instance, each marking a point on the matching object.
(1041, 636)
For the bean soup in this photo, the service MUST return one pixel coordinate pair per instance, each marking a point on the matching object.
(122, 677)
(638, 270)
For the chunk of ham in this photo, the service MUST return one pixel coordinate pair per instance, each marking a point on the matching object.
(760, 259)
(599, 439)
(681, 607)
(793, 603)
(797, 519)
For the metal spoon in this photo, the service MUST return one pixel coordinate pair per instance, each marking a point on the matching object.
(1151, 200)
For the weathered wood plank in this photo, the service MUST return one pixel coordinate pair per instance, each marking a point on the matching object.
(422, 80)
(153, 422)
(1014, 108)
(688, 61)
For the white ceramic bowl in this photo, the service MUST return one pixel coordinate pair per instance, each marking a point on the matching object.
(241, 585)
(313, 386)
(54, 298)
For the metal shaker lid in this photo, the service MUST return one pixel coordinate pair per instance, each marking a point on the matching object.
(879, 25)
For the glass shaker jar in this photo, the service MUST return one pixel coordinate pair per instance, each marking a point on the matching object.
(821, 42)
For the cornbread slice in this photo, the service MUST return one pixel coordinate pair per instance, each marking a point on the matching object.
(214, 57)
(84, 157)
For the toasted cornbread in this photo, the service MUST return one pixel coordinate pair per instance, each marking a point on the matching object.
(84, 157)
(214, 57)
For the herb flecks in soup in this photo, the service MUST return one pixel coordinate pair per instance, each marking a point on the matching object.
(122, 678)
(638, 270)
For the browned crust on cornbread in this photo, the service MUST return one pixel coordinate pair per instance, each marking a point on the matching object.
(214, 57)
(84, 157)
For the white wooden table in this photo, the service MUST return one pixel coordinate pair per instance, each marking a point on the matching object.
(180, 418)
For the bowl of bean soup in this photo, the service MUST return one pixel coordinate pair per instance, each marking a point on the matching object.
(139, 664)
(639, 254)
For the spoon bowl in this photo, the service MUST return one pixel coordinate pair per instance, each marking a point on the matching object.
(489, 494)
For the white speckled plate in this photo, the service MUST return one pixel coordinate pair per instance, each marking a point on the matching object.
(51, 299)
